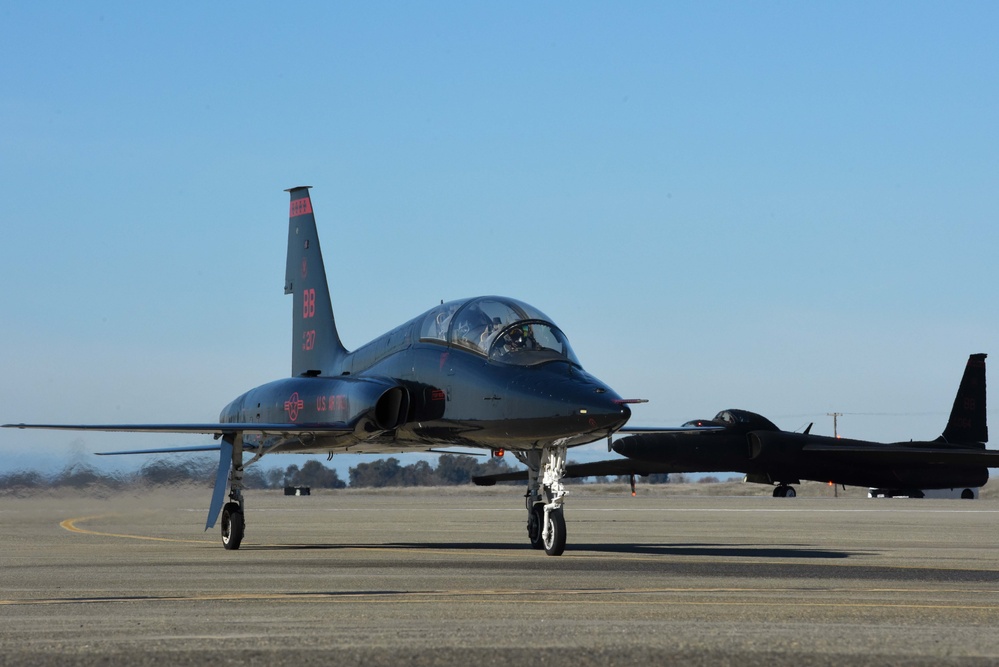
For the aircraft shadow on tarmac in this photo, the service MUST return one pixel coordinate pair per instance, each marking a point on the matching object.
(713, 550)
(717, 550)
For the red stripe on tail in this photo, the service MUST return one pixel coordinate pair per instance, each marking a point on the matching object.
(300, 207)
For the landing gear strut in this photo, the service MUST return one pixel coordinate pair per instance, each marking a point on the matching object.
(545, 497)
(233, 521)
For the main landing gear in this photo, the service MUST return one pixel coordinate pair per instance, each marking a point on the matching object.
(233, 525)
(545, 498)
(784, 491)
(233, 521)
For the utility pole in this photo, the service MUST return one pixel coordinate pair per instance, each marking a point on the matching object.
(835, 415)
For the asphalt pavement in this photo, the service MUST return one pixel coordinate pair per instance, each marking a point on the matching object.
(447, 577)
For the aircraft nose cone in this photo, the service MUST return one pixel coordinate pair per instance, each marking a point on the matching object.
(585, 397)
(571, 405)
(605, 412)
(595, 411)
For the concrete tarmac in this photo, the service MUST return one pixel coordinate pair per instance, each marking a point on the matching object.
(446, 577)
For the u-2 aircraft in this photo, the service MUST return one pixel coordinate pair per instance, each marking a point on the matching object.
(487, 372)
(743, 441)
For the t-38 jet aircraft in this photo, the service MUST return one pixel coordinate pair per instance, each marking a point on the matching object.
(487, 372)
(746, 442)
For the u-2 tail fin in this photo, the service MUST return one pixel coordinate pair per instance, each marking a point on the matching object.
(316, 347)
(968, 422)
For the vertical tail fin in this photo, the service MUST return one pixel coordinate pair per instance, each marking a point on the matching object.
(315, 347)
(967, 422)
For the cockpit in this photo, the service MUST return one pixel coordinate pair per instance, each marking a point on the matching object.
(743, 419)
(747, 418)
(505, 330)
(734, 417)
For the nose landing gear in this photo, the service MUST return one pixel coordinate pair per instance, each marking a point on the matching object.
(545, 498)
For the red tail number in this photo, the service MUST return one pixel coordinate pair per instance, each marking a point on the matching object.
(308, 303)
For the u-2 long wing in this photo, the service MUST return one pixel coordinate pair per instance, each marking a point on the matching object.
(620, 466)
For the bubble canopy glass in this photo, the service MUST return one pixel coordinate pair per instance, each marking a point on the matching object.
(505, 330)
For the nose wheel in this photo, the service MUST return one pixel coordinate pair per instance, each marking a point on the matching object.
(545, 497)
(553, 537)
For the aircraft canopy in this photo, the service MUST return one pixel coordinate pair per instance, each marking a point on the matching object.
(505, 330)
(745, 417)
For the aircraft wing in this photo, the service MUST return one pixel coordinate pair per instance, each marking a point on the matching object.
(490, 480)
(668, 429)
(165, 450)
(217, 429)
(930, 455)
(620, 466)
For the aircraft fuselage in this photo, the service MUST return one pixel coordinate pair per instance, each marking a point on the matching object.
(782, 456)
(430, 394)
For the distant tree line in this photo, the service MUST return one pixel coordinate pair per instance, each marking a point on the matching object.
(451, 470)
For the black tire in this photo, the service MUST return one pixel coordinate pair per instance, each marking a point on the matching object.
(789, 492)
(534, 519)
(967, 494)
(778, 492)
(555, 544)
(233, 526)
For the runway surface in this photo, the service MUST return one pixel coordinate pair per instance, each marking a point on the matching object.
(428, 577)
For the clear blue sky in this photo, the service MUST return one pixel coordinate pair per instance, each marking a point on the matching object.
(778, 206)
